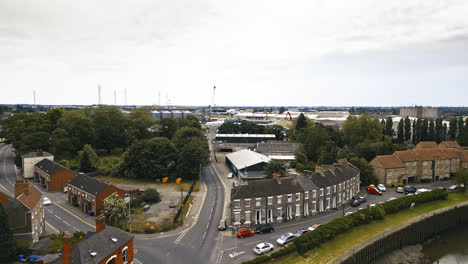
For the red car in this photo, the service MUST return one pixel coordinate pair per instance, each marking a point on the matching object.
(372, 189)
(245, 232)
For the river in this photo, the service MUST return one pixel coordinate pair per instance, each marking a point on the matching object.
(449, 248)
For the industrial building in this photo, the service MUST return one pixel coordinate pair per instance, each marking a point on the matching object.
(247, 164)
(419, 112)
(244, 138)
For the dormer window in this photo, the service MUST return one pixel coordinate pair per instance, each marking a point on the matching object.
(114, 239)
(92, 253)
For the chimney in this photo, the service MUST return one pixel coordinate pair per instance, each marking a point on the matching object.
(21, 186)
(100, 223)
(39, 153)
(277, 177)
(66, 250)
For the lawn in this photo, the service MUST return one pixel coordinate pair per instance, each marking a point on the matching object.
(332, 249)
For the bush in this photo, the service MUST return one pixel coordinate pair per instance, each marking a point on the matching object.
(284, 251)
(150, 195)
(257, 260)
(22, 246)
(402, 203)
(425, 180)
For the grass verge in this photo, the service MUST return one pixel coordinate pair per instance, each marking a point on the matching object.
(332, 249)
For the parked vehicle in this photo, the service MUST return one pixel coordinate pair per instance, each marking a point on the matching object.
(422, 190)
(229, 175)
(348, 213)
(362, 199)
(245, 232)
(381, 187)
(222, 225)
(46, 201)
(399, 190)
(410, 189)
(300, 232)
(313, 227)
(235, 184)
(263, 248)
(285, 239)
(372, 189)
(456, 187)
(65, 189)
(267, 228)
(371, 205)
(355, 203)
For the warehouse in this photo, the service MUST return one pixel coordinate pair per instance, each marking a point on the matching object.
(244, 138)
(247, 164)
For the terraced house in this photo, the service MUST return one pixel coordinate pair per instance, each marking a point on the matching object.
(426, 162)
(283, 199)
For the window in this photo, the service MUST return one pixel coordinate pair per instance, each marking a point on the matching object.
(425, 170)
(344, 196)
(247, 216)
(438, 161)
(328, 203)
(389, 173)
(414, 170)
(402, 172)
(298, 197)
(298, 210)
(321, 191)
(306, 195)
(407, 163)
(395, 180)
(334, 188)
(389, 181)
(236, 203)
(446, 168)
(339, 198)
(279, 211)
(270, 200)
(314, 206)
(280, 198)
(414, 163)
(258, 201)
(424, 163)
(328, 190)
(314, 193)
(247, 202)
(406, 171)
(289, 198)
(306, 209)
(124, 255)
(237, 217)
(339, 186)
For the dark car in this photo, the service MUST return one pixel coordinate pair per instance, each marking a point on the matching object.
(362, 199)
(222, 225)
(409, 189)
(300, 232)
(355, 203)
(264, 229)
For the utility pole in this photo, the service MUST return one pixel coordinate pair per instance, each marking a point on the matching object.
(129, 212)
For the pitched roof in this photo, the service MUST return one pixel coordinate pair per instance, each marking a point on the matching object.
(464, 154)
(405, 156)
(450, 144)
(30, 200)
(429, 153)
(333, 175)
(88, 184)
(267, 187)
(49, 166)
(34, 154)
(246, 158)
(426, 144)
(389, 161)
(451, 152)
(4, 198)
(277, 148)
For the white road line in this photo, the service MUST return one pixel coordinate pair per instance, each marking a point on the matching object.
(258, 241)
(67, 223)
(58, 217)
(227, 249)
(76, 229)
(179, 238)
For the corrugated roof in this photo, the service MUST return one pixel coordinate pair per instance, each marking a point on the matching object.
(450, 144)
(30, 200)
(277, 148)
(389, 161)
(426, 144)
(246, 158)
(333, 175)
(405, 156)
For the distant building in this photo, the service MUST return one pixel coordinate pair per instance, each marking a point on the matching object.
(30, 159)
(279, 150)
(419, 112)
(247, 164)
(52, 176)
(244, 138)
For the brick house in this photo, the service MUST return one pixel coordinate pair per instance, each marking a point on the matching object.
(52, 176)
(89, 193)
(25, 211)
(294, 197)
(108, 245)
(30, 159)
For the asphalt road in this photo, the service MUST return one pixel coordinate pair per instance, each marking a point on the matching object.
(200, 243)
(57, 219)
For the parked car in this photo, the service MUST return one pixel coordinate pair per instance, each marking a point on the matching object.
(362, 199)
(267, 228)
(263, 248)
(245, 232)
(381, 187)
(65, 189)
(46, 201)
(372, 189)
(410, 189)
(355, 203)
(300, 232)
(348, 213)
(456, 187)
(371, 205)
(399, 190)
(422, 190)
(285, 239)
(313, 227)
(222, 225)
(235, 184)
(230, 175)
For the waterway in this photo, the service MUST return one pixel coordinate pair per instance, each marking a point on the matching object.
(449, 248)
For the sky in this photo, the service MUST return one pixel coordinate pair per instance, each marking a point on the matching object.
(263, 53)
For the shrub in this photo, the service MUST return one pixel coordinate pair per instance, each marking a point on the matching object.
(22, 246)
(284, 251)
(425, 180)
(151, 196)
(257, 260)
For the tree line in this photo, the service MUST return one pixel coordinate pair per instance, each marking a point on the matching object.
(246, 127)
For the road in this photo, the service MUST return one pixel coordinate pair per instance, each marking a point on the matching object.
(58, 218)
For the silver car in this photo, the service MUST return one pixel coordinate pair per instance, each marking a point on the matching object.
(284, 239)
(263, 248)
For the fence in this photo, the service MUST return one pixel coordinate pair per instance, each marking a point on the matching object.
(183, 202)
(410, 234)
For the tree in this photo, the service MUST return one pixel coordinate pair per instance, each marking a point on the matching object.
(109, 124)
(139, 124)
(431, 131)
(272, 167)
(461, 129)
(424, 130)
(7, 246)
(281, 110)
(115, 207)
(193, 154)
(93, 158)
(389, 126)
(85, 163)
(302, 162)
(438, 130)
(314, 138)
(464, 139)
(77, 130)
(444, 132)
(461, 177)
(228, 128)
(401, 131)
(453, 129)
(328, 153)
(358, 129)
(184, 135)
(301, 122)
(407, 129)
(367, 175)
(415, 131)
(277, 130)
(151, 195)
(168, 127)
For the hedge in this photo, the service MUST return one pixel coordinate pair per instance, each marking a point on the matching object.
(405, 202)
(257, 260)
(284, 251)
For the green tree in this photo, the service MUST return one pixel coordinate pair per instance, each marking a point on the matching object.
(314, 138)
(389, 127)
(444, 132)
(453, 128)
(79, 130)
(301, 122)
(431, 131)
(184, 135)
(228, 128)
(168, 127)
(401, 131)
(109, 124)
(461, 177)
(302, 162)
(461, 129)
(277, 130)
(7, 246)
(415, 133)
(464, 140)
(53, 115)
(92, 156)
(438, 130)
(358, 129)
(328, 153)
(193, 154)
(367, 175)
(272, 167)
(139, 124)
(281, 110)
(115, 207)
(407, 129)
(151, 195)
(424, 130)
(85, 163)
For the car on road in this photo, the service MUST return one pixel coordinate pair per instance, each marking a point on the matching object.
(245, 232)
(65, 189)
(267, 228)
(229, 175)
(46, 201)
(381, 187)
(222, 225)
(263, 248)
(362, 199)
(348, 213)
(422, 190)
(410, 189)
(372, 189)
(313, 227)
(355, 203)
(285, 239)
(300, 232)
(456, 187)
(371, 205)
(399, 190)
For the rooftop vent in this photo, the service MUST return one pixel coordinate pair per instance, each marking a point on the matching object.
(92, 253)
(114, 239)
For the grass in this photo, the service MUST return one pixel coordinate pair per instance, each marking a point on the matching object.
(153, 182)
(332, 249)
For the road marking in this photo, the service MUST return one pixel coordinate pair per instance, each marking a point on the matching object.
(6, 189)
(179, 238)
(53, 228)
(58, 217)
(77, 217)
(258, 241)
(225, 189)
(137, 261)
(67, 223)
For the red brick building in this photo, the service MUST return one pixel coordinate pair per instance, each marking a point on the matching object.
(89, 193)
(52, 176)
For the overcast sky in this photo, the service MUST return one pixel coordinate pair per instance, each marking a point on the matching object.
(256, 52)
